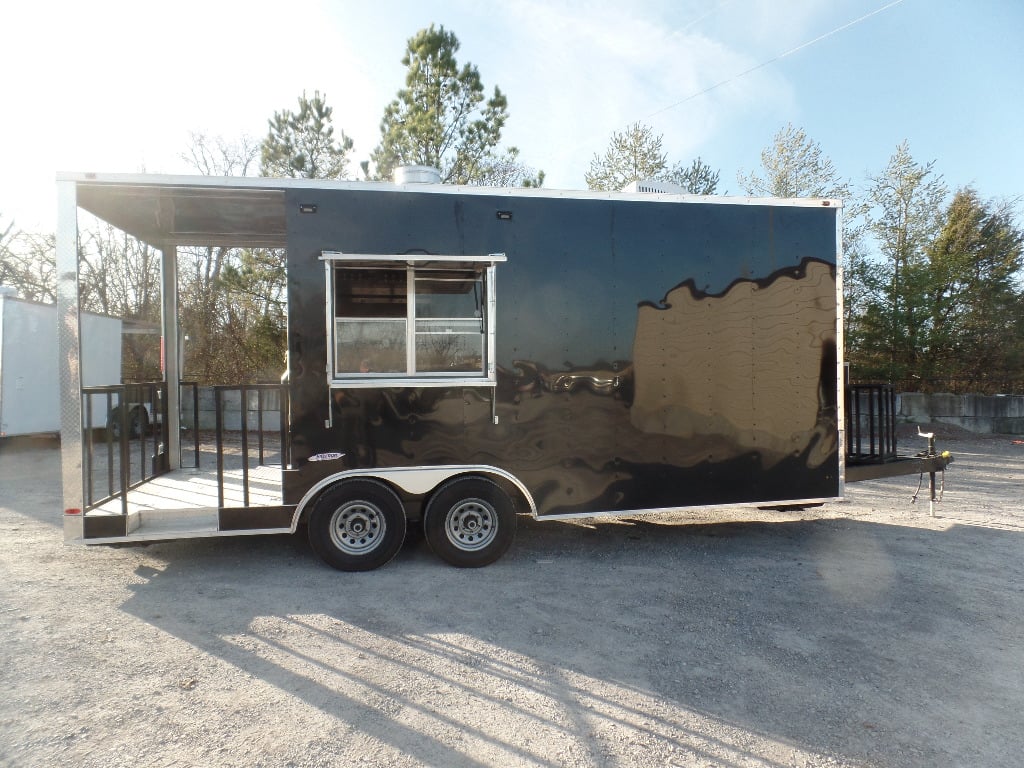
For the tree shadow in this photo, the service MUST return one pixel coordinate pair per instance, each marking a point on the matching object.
(630, 641)
(610, 642)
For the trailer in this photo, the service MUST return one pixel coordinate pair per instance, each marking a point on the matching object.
(459, 355)
(29, 393)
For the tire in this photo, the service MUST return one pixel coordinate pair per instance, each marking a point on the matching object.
(114, 424)
(138, 422)
(470, 522)
(357, 525)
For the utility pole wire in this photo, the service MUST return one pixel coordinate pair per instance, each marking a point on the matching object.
(790, 52)
(704, 15)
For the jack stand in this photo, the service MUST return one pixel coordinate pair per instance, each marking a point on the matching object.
(931, 475)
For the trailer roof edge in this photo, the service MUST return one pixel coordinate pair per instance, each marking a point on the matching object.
(259, 183)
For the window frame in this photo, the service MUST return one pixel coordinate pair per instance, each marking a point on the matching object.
(484, 265)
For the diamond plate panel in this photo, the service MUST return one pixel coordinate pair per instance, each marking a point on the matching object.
(69, 361)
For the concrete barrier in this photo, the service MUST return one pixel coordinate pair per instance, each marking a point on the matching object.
(983, 414)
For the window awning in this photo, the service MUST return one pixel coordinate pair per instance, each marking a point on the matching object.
(410, 259)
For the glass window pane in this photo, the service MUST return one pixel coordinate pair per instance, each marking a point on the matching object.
(449, 346)
(370, 293)
(372, 313)
(449, 296)
(369, 346)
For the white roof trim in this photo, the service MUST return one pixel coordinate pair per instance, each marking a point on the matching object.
(274, 184)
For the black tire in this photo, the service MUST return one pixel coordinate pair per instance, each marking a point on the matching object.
(138, 422)
(357, 525)
(114, 423)
(470, 522)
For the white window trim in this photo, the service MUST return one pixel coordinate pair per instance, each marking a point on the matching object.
(333, 259)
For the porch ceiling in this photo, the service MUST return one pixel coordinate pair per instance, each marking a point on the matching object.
(193, 212)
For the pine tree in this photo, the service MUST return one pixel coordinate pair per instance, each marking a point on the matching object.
(302, 145)
(441, 118)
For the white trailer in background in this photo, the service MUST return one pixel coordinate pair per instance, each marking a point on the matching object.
(29, 382)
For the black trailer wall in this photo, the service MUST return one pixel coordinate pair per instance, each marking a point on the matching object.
(651, 354)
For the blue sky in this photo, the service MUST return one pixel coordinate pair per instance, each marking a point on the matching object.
(118, 86)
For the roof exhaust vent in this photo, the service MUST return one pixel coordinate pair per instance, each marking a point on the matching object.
(654, 185)
(416, 174)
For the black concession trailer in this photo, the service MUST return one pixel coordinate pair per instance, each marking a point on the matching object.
(458, 355)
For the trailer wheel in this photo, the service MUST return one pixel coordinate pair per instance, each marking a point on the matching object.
(470, 522)
(138, 422)
(357, 525)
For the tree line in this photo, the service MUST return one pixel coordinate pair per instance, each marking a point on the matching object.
(932, 278)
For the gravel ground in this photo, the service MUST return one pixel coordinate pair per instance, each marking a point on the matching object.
(862, 633)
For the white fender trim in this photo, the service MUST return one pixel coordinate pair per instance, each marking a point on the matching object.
(415, 480)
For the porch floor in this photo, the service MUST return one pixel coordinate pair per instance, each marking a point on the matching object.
(196, 489)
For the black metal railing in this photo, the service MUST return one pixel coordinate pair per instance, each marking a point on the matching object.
(254, 402)
(125, 444)
(192, 387)
(870, 423)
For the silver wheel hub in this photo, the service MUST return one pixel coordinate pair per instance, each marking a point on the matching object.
(471, 524)
(357, 527)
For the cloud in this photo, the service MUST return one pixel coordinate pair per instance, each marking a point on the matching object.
(594, 70)
(120, 85)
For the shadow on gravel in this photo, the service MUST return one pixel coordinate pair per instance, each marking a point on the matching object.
(618, 642)
(870, 642)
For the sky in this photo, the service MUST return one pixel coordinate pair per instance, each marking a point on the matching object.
(119, 87)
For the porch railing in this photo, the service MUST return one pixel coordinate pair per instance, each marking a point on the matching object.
(255, 401)
(870, 423)
(125, 438)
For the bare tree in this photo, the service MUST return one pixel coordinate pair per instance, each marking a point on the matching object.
(636, 155)
(231, 299)
(217, 156)
(632, 155)
(794, 166)
(27, 263)
(120, 277)
(507, 171)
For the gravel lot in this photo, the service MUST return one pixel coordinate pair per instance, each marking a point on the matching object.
(863, 633)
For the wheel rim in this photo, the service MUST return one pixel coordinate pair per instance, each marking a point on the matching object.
(471, 524)
(357, 527)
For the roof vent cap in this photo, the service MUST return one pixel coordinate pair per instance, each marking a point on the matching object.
(416, 174)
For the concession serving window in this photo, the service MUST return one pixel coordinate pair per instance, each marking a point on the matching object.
(419, 319)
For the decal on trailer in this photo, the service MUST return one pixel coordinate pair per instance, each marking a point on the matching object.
(326, 457)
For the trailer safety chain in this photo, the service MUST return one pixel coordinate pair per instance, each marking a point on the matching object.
(920, 482)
